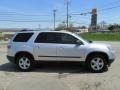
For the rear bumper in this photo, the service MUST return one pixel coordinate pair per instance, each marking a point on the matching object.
(11, 59)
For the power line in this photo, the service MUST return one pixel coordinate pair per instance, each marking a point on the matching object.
(105, 5)
(20, 14)
(100, 10)
(81, 23)
(106, 9)
(28, 20)
(82, 13)
(16, 13)
(115, 1)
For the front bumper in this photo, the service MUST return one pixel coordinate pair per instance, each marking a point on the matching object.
(11, 59)
(110, 61)
(111, 57)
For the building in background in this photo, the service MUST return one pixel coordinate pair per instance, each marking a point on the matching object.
(93, 26)
(78, 31)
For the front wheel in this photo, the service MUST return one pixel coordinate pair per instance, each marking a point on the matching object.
(97, 63)
(24, 62)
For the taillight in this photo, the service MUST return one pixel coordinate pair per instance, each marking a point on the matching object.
(9, 46)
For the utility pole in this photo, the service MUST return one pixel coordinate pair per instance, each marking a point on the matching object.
(67, 14)
(54, 14)
(39, 26)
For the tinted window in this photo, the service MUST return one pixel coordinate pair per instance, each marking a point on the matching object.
(22, 37)
(67, 39)
(46, 38)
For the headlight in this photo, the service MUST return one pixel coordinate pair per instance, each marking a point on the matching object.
(109, 47)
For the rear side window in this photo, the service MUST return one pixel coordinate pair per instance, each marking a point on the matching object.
(46, 38)
(22, 37)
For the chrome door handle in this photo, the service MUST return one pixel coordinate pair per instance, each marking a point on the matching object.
(38, 46)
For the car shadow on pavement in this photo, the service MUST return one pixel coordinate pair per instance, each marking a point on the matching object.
(8, 67)
(61, 67)
(48, 67)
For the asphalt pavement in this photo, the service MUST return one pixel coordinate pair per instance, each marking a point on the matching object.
(59, 76)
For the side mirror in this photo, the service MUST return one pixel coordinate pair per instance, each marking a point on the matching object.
(90, 41)
(78, 42)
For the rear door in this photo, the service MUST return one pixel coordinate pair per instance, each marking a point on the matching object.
(45, 46)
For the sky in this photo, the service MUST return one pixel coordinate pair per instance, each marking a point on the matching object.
(39, 13)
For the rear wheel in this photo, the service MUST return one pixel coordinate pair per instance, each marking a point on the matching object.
(97, 63)
(25, 63)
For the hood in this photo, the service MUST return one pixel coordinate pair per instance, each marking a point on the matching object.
(99, 45)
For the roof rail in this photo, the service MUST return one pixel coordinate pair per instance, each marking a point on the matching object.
(25, 30)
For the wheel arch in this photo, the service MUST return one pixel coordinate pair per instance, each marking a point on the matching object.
(96, 52)
(23, 53)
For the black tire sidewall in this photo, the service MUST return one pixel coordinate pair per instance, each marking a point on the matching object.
(31, 63)
(95, 56)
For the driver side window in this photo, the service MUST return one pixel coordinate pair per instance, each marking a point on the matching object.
(68, 39)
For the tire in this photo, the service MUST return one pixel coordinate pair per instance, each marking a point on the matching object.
(25, 62)
(97, 63)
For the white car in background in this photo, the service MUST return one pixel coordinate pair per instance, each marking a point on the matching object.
(27, 47)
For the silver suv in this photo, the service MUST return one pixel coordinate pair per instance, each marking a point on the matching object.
(27, 47)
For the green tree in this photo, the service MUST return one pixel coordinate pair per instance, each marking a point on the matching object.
(111, 27)
(61, 26)
(114, 27)
(71, 27)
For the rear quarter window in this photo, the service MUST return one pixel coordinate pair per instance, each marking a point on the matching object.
(22, 37)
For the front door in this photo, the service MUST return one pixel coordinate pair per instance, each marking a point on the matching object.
(68, 50)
